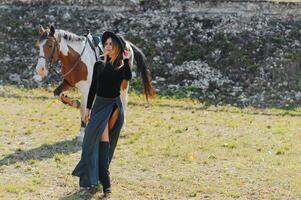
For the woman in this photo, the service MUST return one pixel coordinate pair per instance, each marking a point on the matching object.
(106, 117)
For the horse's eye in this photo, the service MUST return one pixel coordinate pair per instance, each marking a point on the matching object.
(50, 46)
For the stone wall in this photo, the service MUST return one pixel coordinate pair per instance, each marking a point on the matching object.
(218, 51)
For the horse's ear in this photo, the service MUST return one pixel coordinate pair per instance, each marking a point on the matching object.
(41, 29)
(52, 30)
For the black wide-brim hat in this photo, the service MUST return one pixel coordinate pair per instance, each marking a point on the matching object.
(119, 39)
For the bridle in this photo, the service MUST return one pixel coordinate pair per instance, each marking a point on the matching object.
(50, 61)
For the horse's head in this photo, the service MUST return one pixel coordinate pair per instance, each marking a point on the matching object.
(48, 50)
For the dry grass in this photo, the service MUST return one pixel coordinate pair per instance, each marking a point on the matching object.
(170, 149)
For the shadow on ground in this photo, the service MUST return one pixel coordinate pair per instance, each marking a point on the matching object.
(43, 152)
(83, 194)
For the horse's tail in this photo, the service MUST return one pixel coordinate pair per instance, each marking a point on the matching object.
(144, 71)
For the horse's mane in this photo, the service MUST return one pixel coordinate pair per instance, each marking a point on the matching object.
(69, 36)
(62, 34)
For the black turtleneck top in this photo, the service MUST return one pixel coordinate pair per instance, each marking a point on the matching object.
(106, 80)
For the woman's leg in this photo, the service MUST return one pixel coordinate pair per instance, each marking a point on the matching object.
(105, 135)
(104, 148)
(115, 122)
(113, 118)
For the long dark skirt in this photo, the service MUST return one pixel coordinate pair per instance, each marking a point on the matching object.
(87, 169)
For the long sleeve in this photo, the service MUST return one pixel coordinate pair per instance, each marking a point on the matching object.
(127, 73)
(93, 87)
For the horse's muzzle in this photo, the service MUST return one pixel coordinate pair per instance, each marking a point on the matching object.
(42, 71)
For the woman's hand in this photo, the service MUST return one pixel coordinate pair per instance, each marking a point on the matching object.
(86, 116)
(126, 54)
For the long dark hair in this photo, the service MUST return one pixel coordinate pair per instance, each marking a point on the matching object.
(116, 58)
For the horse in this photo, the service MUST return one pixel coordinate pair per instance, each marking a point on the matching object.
(77, 55)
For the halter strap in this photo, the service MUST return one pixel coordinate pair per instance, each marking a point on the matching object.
(51, 58)
(49, 63)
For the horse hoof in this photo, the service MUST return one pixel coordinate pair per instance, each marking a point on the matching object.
(76, 104)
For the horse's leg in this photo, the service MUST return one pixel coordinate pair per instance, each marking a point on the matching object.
(64, 85)
(124, 96)
(58, 92)
(83, 87)
(84, 97)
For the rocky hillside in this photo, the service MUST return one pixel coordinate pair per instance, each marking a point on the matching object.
(218, 51)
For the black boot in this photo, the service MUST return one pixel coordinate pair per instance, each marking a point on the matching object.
(104, 177)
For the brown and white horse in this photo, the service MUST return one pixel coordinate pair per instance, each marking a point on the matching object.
(77, 56)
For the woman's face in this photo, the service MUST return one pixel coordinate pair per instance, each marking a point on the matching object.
(108, 46)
